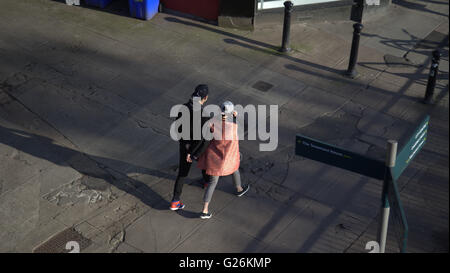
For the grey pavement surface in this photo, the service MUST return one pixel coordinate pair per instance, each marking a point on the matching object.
(85, 96)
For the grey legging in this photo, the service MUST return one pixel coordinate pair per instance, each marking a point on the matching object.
(213, 183)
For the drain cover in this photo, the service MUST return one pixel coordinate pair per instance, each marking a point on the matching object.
(262, 86)
(58, 242)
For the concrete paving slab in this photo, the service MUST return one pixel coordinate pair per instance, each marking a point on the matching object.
(159, 231)
(126, 248)
(32, 219)
(164, 188)
(87, 230)
(68, 114)
(434, 8)
(345, 228)
(332, 51)
(260, 217)
(374, 98)
(234, 70)
(370, 234)
(402, 38)
(353, 193)
(313, 103)
(395, 40)
(54, 177)
(288, 122)
(12, 159)
(30, 236)
(100, 73)
(301, 229)
(407, 110)
(20, 204)
(282, 89)
(26, 41)
(192, 52)
(150, 235)
(134, 90)
(121, 212)
(342, 125)
(216, 236)
(39, 234)
(373, 123)
(209, 34)
(302, 235)
(137, 139)
(308, 183)
(13, 59)
(253, 51)
(78, 202)
(274, 165)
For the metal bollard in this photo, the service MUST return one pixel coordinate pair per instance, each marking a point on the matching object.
(351, 71)
(288, 8)
(432, 77)
(357, 11)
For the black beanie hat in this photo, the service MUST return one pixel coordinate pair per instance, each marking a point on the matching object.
(201, 91)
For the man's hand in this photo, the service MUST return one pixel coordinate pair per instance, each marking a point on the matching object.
(188, 158)
(235, 113)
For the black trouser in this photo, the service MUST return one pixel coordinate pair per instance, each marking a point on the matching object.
(183, 172)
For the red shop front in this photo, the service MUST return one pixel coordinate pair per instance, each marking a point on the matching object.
(206, 9)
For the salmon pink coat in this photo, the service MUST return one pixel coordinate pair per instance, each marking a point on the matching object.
(221, 158)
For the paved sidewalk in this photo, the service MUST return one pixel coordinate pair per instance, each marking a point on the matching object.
(85, 96)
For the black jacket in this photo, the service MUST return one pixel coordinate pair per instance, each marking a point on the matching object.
(194, 147)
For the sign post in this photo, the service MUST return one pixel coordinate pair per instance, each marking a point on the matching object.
(398, 214)
(405, 156)
(389, 172)
(390, 163)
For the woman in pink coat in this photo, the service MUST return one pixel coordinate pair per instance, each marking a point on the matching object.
(222, 157)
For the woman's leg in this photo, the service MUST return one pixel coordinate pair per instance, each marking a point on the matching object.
(209, 192)
(237, 181)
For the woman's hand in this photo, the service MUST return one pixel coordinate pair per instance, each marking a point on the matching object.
(188, 158)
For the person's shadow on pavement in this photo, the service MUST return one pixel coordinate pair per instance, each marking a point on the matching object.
(88, 165)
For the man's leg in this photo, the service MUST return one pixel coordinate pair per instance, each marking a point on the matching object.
(178, 189)
(183, 171)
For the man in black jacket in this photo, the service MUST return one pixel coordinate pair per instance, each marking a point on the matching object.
(190, 148)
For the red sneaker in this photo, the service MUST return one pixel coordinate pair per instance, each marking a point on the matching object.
(176, 205)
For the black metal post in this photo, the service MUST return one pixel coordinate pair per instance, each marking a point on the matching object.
(288, 7)
(351, 71)
(357, 11)
(432, 77)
